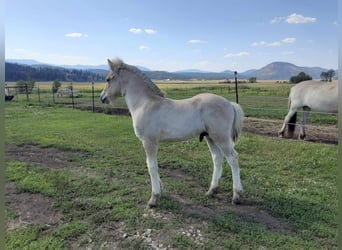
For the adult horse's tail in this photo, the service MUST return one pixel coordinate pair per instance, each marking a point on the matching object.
(238, 120)
(292, 122)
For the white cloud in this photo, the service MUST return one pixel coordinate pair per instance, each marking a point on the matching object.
(298, 18)
(150, 31)
(143, 47)
(261, 43)
(135, 30)
(289, 40)
(275, 43)
(230, 55)
(76, 34)
(294, 18)
(277, 19)
(196, 41)
(141, 31)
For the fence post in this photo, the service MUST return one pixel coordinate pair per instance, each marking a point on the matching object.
(72, 95)
(92, 91)
(53, 96)
(38, 94)
(26, 90)
(236, 88)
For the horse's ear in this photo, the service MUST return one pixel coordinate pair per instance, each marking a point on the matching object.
(111, 65)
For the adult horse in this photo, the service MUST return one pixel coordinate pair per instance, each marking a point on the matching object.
(310, 96)
(156, 119)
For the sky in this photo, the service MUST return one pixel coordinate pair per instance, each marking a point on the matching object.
(214, 35)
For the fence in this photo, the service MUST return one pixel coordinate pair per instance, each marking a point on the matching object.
(258, 102)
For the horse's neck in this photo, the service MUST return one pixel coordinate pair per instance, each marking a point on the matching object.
(138, 94)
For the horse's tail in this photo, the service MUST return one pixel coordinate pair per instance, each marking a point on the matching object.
(292, 122)
(238, 120)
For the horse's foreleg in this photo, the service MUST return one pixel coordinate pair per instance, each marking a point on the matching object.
(305, 115)
(152, 164)
(217, 172)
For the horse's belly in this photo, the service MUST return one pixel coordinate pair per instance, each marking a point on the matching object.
(180, 129)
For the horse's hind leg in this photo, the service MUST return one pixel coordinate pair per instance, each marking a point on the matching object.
(227, 148)
(232, 158)
(290, 116)
(305, 115)
(152, 164)
(217, 171)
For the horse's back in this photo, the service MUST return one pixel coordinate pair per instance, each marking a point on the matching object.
(317, 95)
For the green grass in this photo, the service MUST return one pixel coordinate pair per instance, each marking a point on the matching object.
(263, 99)
(104, 193)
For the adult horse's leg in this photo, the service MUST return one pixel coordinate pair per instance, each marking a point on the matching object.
(217, 171)
(151, 149)
(305, 115)
(289, 118)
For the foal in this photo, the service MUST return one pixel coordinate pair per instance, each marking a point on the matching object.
(156, 119)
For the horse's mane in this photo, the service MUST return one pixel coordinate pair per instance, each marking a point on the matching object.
(121, 65)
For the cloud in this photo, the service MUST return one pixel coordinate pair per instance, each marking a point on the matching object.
(196, 41)
(294, 18)
(274, 44)
(76, 34)
(298, 18)
(230, 55)
(286, 40)
(135, 30)
(277, 19)
(289, 40)
(150, 31)
(141, 31)
(143, 47)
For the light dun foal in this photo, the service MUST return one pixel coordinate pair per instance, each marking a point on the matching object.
(156, 119)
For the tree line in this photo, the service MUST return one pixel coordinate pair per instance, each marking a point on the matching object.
(325, 76)
(16, 72)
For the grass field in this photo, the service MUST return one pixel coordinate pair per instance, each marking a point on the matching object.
(89, 171)
(265, 99)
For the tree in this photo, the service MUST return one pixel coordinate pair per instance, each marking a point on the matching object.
(328, 76)
(22, 85)
(56, 85)
(252, 80)
(300, 77)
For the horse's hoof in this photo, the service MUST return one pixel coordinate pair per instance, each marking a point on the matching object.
(237, 197)
(301, 137)
(236, 201)
(153, 201)
(211, 192)
(281, 134)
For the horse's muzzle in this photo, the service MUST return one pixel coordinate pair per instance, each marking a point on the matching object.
(104, 97)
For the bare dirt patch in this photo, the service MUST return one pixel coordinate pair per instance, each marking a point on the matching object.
(48, 157)
(29, 208)
(270, 127)
(32, 208)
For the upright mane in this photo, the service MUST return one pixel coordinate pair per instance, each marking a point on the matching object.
(121, 65)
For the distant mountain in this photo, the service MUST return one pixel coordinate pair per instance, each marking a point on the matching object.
(191, 71)
(284, 71)
(37, 71)
(24, 61)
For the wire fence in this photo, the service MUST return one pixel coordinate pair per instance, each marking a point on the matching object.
(265, 105)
